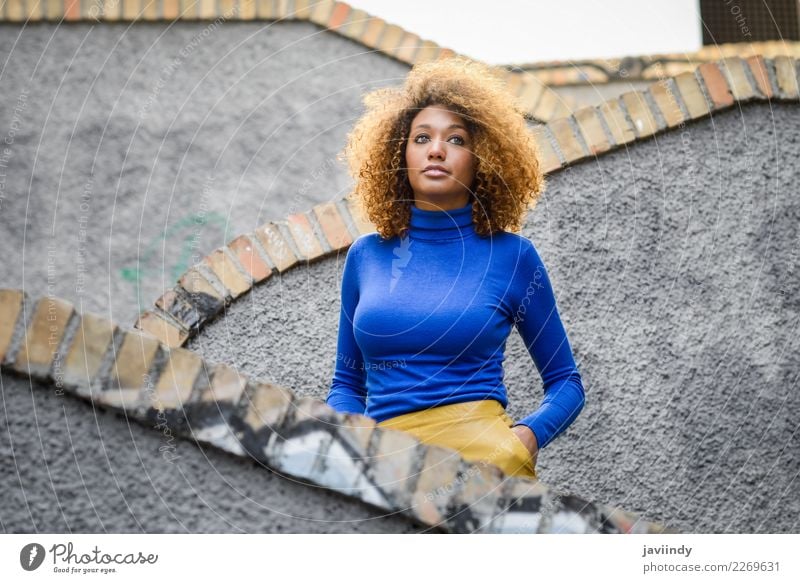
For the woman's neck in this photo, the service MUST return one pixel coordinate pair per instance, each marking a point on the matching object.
(433, 204)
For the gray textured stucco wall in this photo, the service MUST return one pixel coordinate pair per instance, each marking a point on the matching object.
(675, 264)
(68, 467)
(133, 148)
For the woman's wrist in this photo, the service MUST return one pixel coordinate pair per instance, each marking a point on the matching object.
(528, 438)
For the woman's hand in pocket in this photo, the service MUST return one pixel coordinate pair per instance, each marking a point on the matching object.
(528, 439)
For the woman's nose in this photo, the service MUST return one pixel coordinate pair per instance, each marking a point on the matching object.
(436, 149)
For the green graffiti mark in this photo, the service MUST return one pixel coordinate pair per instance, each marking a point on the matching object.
(187, 231)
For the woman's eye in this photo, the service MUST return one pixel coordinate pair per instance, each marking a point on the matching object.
(457, 140)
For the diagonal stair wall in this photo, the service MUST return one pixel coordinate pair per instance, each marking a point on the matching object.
(176, 393)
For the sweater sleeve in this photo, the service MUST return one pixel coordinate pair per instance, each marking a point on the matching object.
(537, 319)
(348, 393)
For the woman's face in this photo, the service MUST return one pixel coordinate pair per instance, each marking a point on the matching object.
(441, 165)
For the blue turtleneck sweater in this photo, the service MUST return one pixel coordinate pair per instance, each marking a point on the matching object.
(425, 318)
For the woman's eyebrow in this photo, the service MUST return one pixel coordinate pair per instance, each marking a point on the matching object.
(451, 126)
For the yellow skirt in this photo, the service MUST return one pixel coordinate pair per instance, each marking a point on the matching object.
(478, 430)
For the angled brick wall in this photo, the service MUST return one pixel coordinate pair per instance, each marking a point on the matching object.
(649, 67)
(172, 389)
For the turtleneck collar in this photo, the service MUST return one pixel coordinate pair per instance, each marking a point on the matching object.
(446, 225)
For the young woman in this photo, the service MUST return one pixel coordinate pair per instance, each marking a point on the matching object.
(445, 167)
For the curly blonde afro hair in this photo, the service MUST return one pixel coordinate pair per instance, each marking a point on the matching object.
(508, 179)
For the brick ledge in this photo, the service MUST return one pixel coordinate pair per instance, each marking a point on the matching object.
(175, 392)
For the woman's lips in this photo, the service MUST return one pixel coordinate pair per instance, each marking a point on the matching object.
(434, 172)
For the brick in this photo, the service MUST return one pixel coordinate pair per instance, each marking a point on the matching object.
(133, 361)
(227, 8)
(306, 432)
(734, 70)
(276, 247)
(150, 9)
(54, 9)
(45, 332)
(85, 355)
(407, 49)
(267, 9)
(392, 467)
(548, 159)
(571, 515)
(33, 11)
(716, 85)
(531, 91)
(130, 9)
(207, 10)
(189, 9)
(521, 507)
(89, 9)
(759, 70)
(268, 406)
(565, 138)
(301, 454)
(476, 503)
(10, 309)
(175, 304)
(321, 12)
(436, 486)
(72, 10)
(247, 9)
(227, 385)
(247, 254)
(390, 39)
(429, 51)
(373, 31)
(357, 431)
(513, 82)
(362, 224)
(692, 95)
(546, 106)
(228, 273)
(212, 413)
(340, 468)
(195, 283)
(356, 24)
(172, 8)
(302, 9)
(304, 237)
(175, 385)
(128, 399)
(15, 10)
(312, 410)
(160, 328)
(333, 226)
(564, 107)
(112, 9)
(591, 128)
(339, 15)
(617, 123)
(621, 521)
(640, 114)
(786, 76)
(667, 103)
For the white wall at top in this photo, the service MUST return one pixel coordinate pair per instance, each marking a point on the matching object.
(515, 31)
